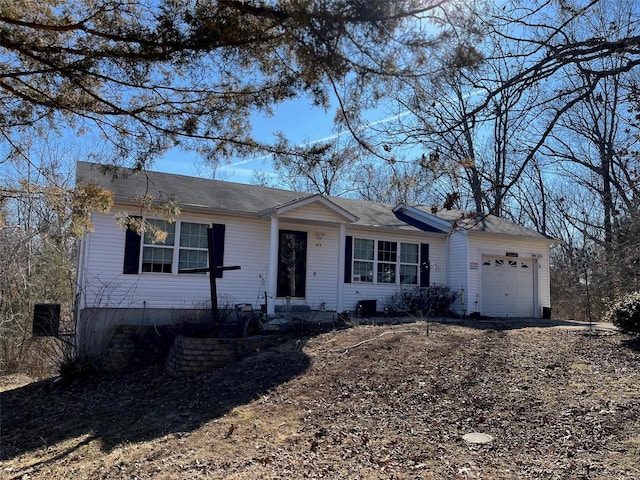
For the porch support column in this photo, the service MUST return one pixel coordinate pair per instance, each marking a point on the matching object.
(272, 283)
(341, 258)
(537, 308)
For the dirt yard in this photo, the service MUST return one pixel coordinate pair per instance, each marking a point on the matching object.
(370, 402)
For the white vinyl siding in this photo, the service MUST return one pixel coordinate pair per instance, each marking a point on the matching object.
(246, 245)
(311, 213)
(458, 275)
(497, 246)
(356, 291)
(105, 285)
(322, 267)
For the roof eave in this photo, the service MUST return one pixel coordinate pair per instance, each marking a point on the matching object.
(301, 202)
(542, 238)
(423, 217)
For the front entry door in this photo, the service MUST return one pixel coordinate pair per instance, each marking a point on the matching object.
(292, 264)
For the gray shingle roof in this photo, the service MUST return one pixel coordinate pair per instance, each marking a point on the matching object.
(238, 198)
(219, 196)
(188, 191)
(486, 223)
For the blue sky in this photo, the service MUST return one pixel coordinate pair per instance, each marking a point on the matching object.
(300, 122)
(297, 119)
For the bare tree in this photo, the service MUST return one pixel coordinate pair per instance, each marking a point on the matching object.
(398, 181)
(323, 167)
(554, 37)
(144, 77)
(484, 152)
(594, 136)
(38, 252)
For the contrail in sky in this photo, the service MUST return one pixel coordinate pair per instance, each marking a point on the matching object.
(344, 132)
(330, 137)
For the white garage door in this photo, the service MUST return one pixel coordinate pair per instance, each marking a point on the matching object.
(507, 287)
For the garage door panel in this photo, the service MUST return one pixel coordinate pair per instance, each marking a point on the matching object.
(507, 287)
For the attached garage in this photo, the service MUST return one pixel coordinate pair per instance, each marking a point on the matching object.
(508, 286)
(500, 268)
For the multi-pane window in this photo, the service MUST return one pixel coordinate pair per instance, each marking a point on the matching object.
(387, 261)
(157, 256)
(409, 261)
(363, 260)
(379, 260)
(193, 245)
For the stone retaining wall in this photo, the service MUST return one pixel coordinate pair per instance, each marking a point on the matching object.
(131, 347)
(191, 355)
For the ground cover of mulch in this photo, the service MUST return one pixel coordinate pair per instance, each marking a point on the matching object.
(367, 402)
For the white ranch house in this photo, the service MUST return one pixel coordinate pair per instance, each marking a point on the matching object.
(323, 252)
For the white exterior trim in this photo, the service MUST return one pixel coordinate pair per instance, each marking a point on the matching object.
(253, 244)
(273, 265)
(340, 267)
(467, 251)
(313, 199)
(423, 217)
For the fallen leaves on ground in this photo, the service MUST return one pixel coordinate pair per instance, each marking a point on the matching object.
(367, 402)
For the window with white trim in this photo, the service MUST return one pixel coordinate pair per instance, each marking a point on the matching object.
(378, 261)
(363, 260)
(387, 261)
(193, 245)
(157, 256)
(409, 262)
(162, 256)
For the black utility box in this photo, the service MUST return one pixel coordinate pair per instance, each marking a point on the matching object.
(46, 320)
(366, 307)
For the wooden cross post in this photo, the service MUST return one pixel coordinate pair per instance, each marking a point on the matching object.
(213, 270)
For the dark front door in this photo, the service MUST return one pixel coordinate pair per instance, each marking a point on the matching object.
(292, 264)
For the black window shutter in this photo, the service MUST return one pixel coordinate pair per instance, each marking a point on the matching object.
(348, 256)
(218, 247)
(425, 268)
(131, 252)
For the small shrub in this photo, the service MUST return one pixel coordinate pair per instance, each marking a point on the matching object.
(433, 300)
(75, 367)
(624, 313)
